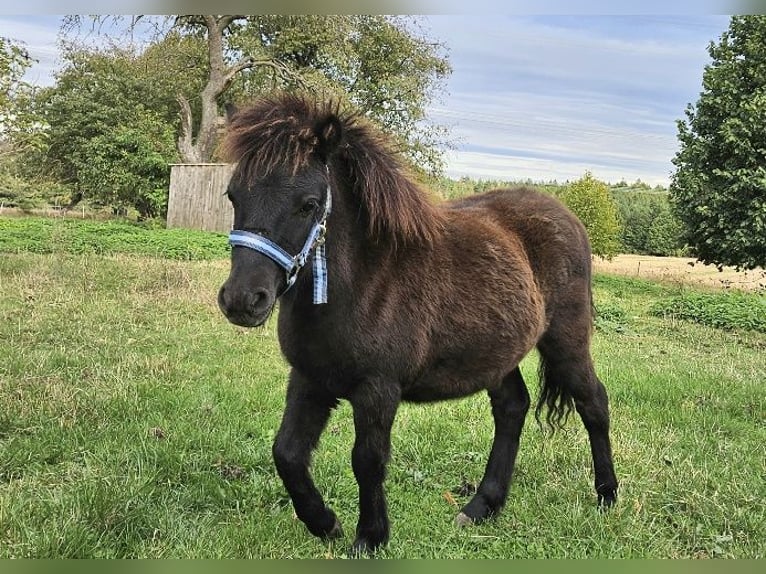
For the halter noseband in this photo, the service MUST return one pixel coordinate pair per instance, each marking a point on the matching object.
(293, 264)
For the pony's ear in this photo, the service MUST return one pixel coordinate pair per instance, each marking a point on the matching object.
(329, 133)
(231, 111)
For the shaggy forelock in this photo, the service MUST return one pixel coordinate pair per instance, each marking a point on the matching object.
(280, 133)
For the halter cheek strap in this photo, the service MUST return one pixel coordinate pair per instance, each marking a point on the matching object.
(293, 264)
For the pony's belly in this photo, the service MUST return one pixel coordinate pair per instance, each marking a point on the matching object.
(454, 379)
(438, 393)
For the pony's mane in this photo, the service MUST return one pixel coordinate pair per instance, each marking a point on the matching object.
(285, 132)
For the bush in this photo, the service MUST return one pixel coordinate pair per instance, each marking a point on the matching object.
(728, 310)
(611, 318)
(664, 234)
(28, 193)
(647, 224)
(14, 192)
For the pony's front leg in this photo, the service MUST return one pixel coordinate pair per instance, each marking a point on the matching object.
(306, 414)
(374, 405)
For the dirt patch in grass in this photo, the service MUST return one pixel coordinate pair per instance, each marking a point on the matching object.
(681, 270)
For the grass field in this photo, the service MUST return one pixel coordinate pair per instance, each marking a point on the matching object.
(136, 422)
(680, 271)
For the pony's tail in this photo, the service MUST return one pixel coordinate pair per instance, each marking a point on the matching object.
(554, 397)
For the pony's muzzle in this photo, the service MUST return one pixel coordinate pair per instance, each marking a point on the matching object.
(246, 308)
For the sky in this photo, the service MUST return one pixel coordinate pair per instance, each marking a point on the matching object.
(541, 98)
(549, 97)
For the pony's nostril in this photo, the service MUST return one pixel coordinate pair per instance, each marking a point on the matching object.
(245, 307)
(260, 299)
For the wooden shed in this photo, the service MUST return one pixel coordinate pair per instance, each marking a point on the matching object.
(197, 197)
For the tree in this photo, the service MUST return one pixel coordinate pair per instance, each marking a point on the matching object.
(128, 166)
(635, 211)
(106, 123)
(14, 122)
(719, 185)
(196, 64)
(647, 223)
(663, 237)
(590, 200)
(14, 61)
(381, 64)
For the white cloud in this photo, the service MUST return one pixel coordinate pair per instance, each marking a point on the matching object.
(488, 166)
(38, 34)
(542, 132)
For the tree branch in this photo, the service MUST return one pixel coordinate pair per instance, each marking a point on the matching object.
(226, 21)
(249, 63)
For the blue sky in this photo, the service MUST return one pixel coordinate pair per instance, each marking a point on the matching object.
(539, 97)
(550, 97)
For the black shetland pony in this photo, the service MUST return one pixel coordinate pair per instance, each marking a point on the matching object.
(424, 302)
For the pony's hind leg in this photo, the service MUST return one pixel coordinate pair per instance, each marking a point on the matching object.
(510, 403)
(569, 373)
(593, 408)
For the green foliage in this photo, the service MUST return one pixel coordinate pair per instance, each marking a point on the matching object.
(46, 235)
(25, 194)
(129, 166)
(14, 61)
(448, 188)
(647, 223)
(14, 192)
(16, 126)
(731, 310)
(611, 318)
(664, 234)
(591, 201)
(636, 213)
(383, 65)
(719, 186)
(104, 137)
(107, 129)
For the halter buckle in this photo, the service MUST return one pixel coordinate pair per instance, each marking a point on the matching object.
(321, 234)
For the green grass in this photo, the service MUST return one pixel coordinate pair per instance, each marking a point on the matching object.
(136, 422)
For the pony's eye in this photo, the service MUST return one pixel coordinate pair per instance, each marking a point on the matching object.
(309, 207)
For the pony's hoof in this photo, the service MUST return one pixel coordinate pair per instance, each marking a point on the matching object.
(606, 501)
(463, 520)
(362, 548)
(335, 532)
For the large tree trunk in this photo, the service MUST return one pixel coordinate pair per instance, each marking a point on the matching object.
(199, 147)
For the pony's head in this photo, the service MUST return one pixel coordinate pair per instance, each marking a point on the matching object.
(286, 149)
(279, 191)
